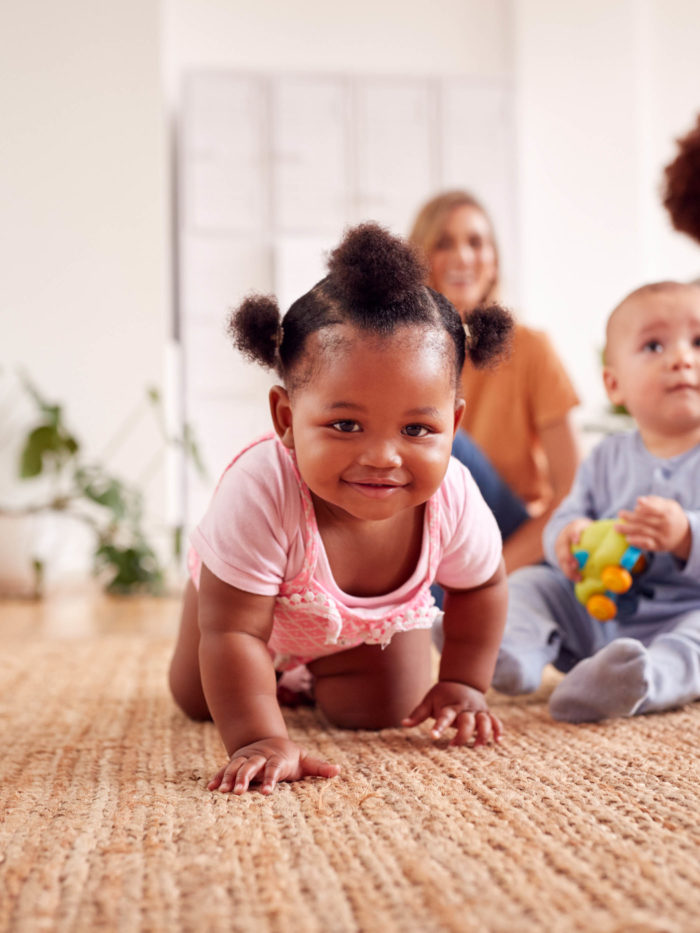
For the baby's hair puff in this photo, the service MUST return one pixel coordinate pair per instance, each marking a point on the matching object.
(371, 270)
(374, 283)
(490, 333)
(254, 328)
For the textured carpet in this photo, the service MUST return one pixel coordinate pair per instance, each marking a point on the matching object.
(107, 823)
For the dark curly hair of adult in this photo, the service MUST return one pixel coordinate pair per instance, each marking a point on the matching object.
(375, 283)
(681, 190)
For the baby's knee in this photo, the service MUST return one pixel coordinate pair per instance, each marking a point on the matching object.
(188, 696)
(349, 707)
(372, 720)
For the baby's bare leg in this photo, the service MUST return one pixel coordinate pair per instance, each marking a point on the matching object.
(185, 679)
(373, 688)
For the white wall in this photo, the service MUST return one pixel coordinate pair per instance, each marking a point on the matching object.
(425, 37)
(83, 234)
(603, 88)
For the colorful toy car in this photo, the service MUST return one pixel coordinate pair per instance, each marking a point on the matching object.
(608, 566)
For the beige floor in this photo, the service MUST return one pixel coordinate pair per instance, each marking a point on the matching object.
(106, 822)
(84, 611)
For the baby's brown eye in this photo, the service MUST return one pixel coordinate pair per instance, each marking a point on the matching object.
(416, 430)
(346, 427)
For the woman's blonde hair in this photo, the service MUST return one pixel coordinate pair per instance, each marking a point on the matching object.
(431, 220)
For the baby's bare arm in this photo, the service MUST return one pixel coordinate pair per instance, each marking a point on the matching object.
(238, 677)
(240, 687)
(473, 627)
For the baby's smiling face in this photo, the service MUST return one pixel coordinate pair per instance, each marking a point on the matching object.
(372, 427)
(653, 362)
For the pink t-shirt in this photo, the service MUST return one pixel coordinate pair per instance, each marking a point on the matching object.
(259, 535)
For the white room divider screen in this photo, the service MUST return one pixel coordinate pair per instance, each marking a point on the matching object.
(270, 170)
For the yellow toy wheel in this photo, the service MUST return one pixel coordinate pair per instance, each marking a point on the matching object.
(616, 579)
(601, 607)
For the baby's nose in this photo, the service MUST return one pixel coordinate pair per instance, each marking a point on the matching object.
(683, 354)
(381, 454)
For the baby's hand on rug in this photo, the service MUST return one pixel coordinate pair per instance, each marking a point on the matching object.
(570, 534)
(455, 704)
(267, 762)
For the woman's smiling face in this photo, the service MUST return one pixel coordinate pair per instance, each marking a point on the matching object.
(464, 262)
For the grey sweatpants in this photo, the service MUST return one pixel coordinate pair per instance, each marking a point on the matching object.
(547, 624)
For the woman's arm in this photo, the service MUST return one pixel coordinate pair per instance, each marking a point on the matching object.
(560, 446)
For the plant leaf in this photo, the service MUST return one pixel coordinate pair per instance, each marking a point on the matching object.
(41, 442)
(192, 449)
(134, 567)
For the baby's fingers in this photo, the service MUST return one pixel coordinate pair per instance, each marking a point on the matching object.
(488, 729)
(271, 775)
(246, 772)
(237, 774)
(317, 767)
(217, 779)
(465, 725)
(482, 726)
(570, 567)
(444, 719)
(419, 714)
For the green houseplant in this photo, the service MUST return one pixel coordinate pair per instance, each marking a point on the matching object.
(86, 491)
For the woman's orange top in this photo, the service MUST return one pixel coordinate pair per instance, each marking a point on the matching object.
(508, 406)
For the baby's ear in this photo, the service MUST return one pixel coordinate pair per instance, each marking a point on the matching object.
(460, 405)
(281, 411)
(612, 386)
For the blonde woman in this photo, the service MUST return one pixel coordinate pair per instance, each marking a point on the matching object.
(518, 414)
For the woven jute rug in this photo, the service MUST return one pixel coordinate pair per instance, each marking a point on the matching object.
(107, 823)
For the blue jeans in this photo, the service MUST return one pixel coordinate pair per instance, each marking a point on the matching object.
(508, 509)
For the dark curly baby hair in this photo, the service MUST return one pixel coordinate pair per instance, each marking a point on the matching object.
(375, 283)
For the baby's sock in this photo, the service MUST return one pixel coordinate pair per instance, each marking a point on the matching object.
(613, 682)
(519, 669)
(675, 672)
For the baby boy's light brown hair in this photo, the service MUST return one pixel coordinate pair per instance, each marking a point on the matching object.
(618, 316)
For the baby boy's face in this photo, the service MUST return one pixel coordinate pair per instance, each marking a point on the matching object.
(653, 360)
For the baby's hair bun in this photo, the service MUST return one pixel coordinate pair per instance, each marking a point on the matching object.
(681, 194)
(254, 328)
(490, 335)
(371, 268)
